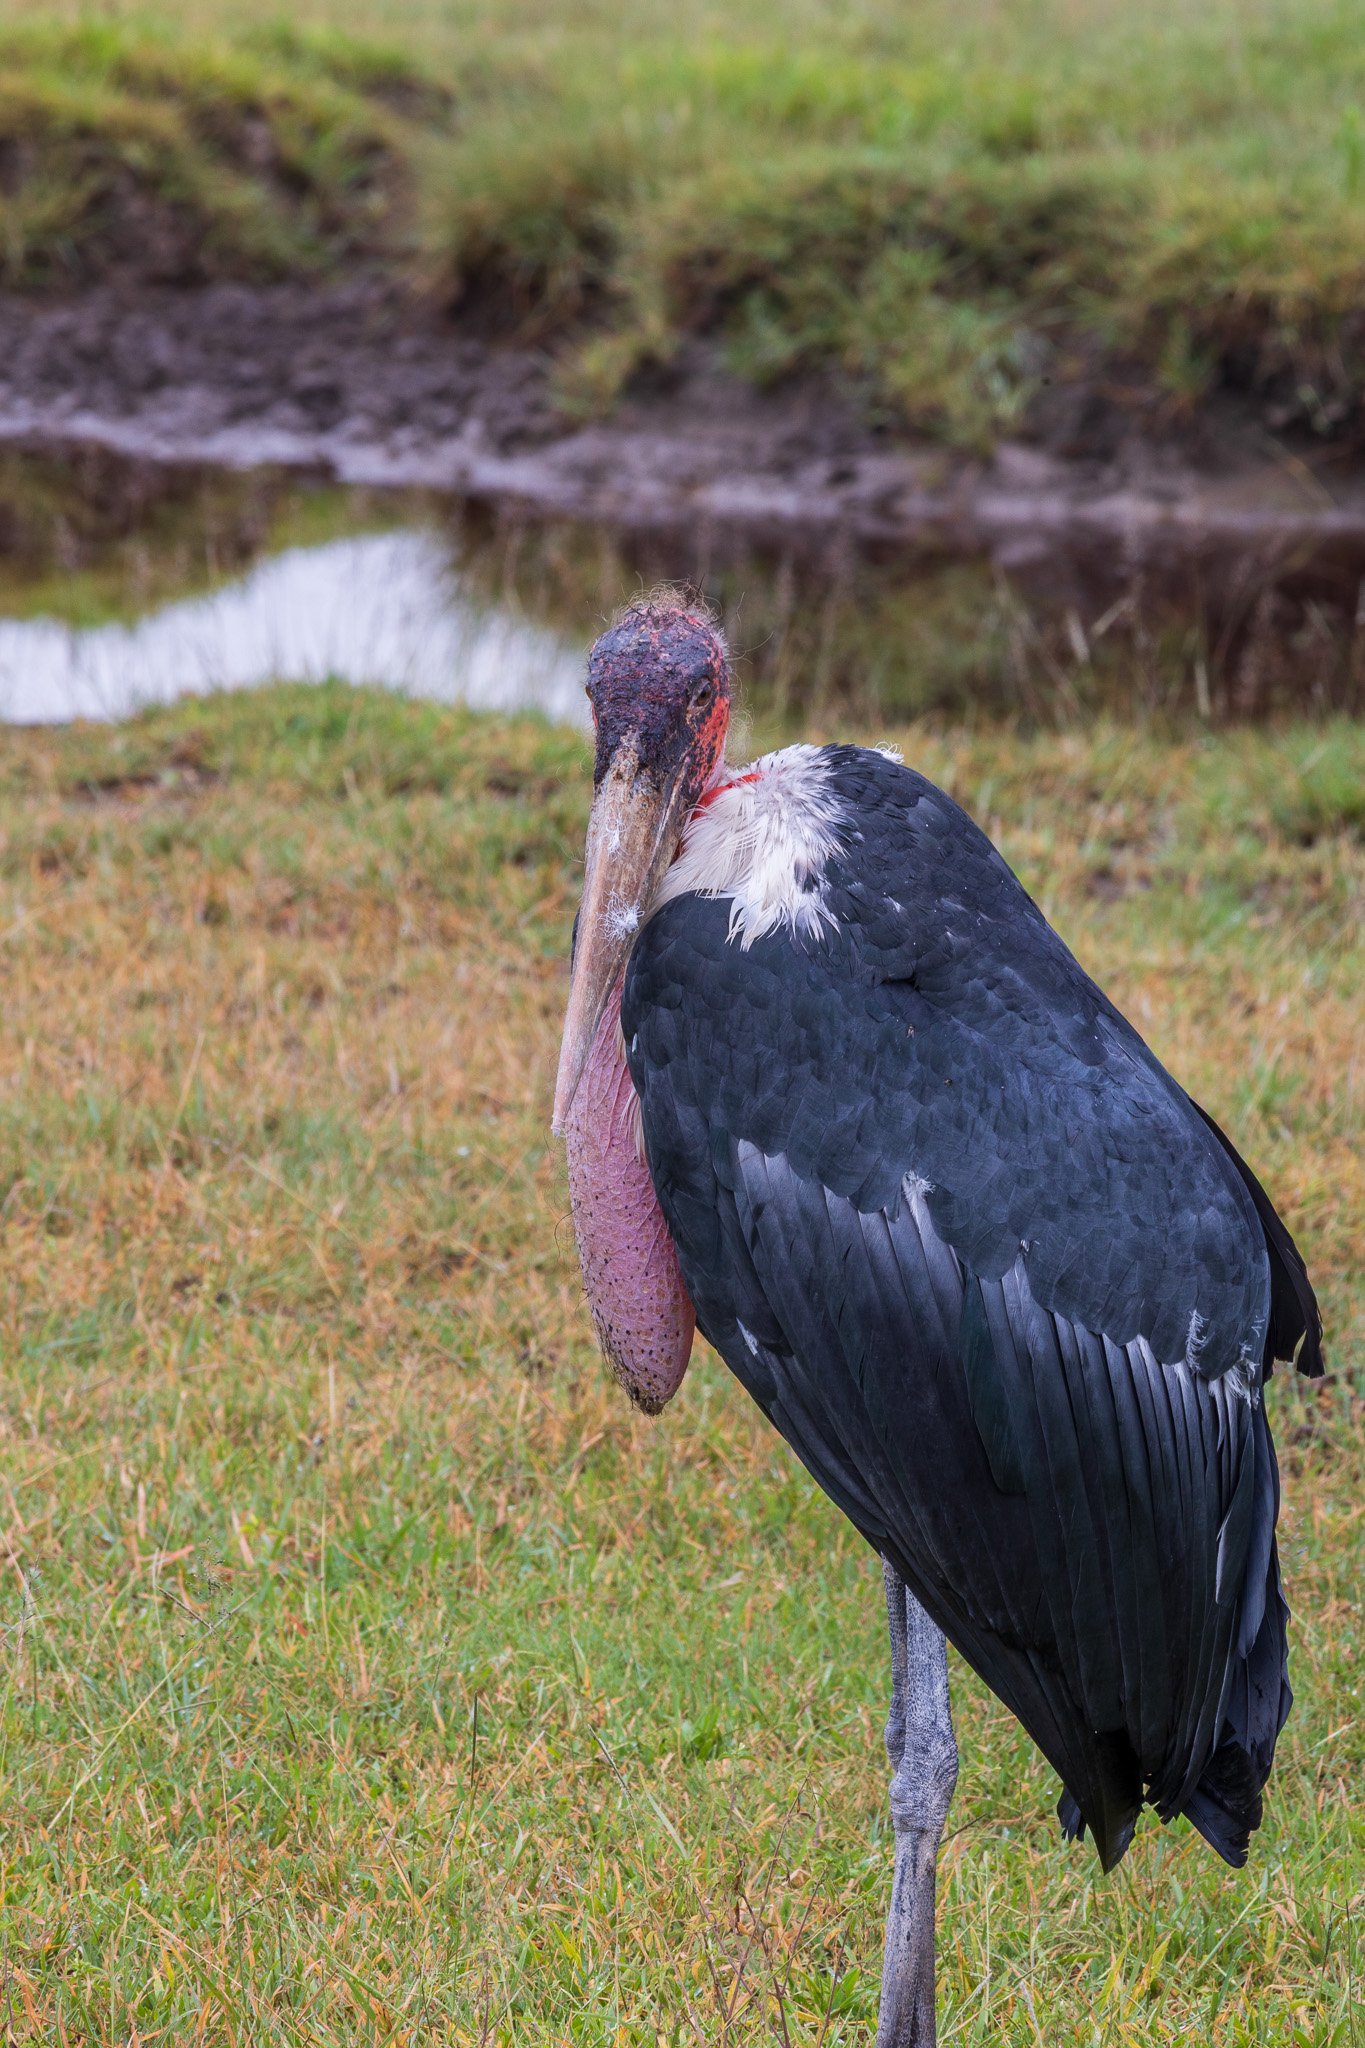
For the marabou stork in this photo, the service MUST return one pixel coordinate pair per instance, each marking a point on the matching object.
(835, 1090)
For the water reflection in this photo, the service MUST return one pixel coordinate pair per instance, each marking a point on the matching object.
(487, 606)
(384, 608)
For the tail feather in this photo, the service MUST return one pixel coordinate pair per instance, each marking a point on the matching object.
(1113, 1800)
(1226, 1804)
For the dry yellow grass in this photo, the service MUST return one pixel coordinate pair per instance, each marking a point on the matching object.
(371, 1672)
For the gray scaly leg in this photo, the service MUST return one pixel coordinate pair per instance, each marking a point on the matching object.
(919, 1742)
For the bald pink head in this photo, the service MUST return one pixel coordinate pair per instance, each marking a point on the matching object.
(659, 682)
(659, 686)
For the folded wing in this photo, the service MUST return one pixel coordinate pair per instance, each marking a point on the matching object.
(1004, 1290)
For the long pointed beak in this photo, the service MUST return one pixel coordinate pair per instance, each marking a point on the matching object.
(633, 834)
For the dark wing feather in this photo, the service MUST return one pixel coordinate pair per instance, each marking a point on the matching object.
(1295, 1331)
(999, 1286)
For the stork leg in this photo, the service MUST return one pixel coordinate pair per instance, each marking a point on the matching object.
(923, 1753)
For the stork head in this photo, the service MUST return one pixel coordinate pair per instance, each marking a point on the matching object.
(659, 686)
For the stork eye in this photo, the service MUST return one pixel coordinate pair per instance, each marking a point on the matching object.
(701, 695)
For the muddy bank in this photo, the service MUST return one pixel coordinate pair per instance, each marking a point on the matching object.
(358, 384)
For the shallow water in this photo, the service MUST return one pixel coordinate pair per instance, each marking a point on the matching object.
(126, 583)
(387, 608)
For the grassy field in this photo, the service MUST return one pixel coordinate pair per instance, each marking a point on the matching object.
(372, 1673)
(978, 215)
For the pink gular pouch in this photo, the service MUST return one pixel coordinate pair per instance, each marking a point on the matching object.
(639, 1300)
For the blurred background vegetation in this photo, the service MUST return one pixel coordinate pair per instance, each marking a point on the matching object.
(967, 210)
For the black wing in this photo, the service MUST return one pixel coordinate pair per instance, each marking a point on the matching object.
(1001, 1287)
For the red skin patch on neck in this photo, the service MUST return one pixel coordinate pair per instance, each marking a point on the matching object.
(730, 782)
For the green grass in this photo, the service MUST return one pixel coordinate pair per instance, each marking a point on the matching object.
(976, 217)
(153, 155)
(371, 1672)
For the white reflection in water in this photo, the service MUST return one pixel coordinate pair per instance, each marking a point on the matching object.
(388, 609)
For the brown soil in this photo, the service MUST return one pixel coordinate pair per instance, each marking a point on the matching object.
(360, 383)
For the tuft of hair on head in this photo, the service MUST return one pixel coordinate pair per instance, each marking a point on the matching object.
(666, 603)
